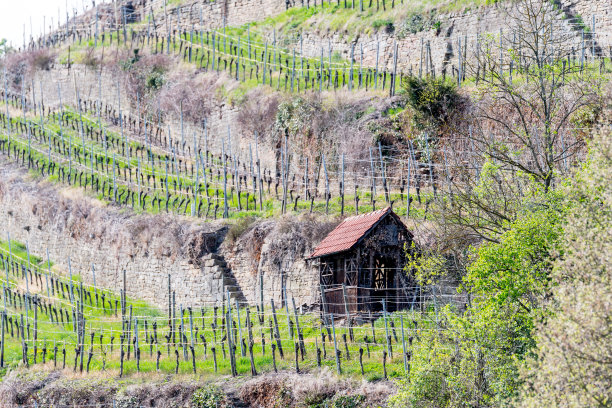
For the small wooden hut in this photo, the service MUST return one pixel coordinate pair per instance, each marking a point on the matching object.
(361, 263)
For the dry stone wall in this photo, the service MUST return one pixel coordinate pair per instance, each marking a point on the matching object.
(254, 261)
(149, 248)
(200, 13)
(212, 14)
(221, 122)
(276, 253)
(455, 27)
(443, 41)
(592, 11)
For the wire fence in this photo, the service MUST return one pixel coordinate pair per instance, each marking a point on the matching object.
(130, 160)
(290, 69)
(70, 325)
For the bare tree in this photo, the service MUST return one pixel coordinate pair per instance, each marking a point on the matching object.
(529, 90)
(522, 134)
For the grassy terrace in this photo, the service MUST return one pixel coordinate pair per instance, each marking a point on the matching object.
(154, 179)
(249, 54)
(352, 17)
(251, 63)
(348, 19)
(99, 329)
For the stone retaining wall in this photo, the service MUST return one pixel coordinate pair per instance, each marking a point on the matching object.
(149, 248)
(454, 27)
(146, 247)
(443, 42)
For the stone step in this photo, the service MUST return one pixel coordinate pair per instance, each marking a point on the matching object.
(218, 264)
(212, 259)
(230, 281)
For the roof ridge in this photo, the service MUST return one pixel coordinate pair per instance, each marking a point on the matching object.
(354, 217)
(349, 232)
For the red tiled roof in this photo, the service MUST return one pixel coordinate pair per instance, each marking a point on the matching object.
(348, 233)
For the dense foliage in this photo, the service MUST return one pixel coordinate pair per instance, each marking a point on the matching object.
(473, 359)
(434, 100)
(574, 365)
(539, 297)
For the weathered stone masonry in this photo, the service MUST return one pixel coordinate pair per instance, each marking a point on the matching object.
(149, 248)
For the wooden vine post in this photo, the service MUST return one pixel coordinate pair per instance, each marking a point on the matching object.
(250, 331)
(336, 351)
(276, 331)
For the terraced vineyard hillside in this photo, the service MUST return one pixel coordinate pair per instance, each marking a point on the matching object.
(256, 203)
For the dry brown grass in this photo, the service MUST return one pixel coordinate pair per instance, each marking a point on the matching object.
(48, 387)
(258, 112)
(64, 388)
(289, 236)
(299, 390)
(118, 231)
(196, 94)
(21, 66)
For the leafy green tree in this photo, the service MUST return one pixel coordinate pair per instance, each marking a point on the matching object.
(474, 359)
(537, 331)
(574, 364)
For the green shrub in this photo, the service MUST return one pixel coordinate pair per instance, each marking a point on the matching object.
(384, 22)
(126, 402)
(239, 228)
(372, 377)
(416, 23)
(434, 100)
(478, 360)
(348, 401)
(315, 400)
(129, 63)
(209, 396)
(155, 80)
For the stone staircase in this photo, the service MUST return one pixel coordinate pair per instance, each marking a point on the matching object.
(215, 264)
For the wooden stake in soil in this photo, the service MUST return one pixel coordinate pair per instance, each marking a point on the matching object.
(248, 322)
(277, 332)
(136, 345)
(121, 358)
(299, 329)
(2, 317)
(274, 357)
(404, 345)
(361, 359)
(230, 344)
(297, 363)
(385, 364)
(348, 356)
(387, 328)
(347, 312)
(336, 351)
